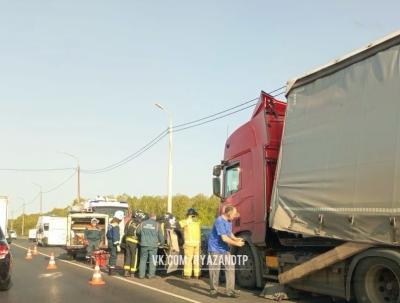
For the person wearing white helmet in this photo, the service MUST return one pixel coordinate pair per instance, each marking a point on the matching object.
(92, 237)
(113, 238)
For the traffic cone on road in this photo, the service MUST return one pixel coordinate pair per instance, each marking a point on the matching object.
(52, 262)
(97, 278)
(35, 252)
(28, 254)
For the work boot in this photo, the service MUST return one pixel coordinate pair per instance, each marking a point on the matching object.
(213, 294)
(186, 277)
(111, 271)
(233, 294)
(127, 274)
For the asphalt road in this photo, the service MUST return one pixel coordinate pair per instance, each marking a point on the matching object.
(32, 282)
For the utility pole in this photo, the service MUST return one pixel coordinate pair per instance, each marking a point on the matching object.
(79, 184)
(40, 198)
(78, 171)
(23, 219)
(169, 202)
(41, 201)
(12, 220)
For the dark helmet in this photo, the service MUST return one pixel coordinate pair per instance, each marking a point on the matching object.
(191, 212)
(167, 216)
(139, 215)
(170, 220)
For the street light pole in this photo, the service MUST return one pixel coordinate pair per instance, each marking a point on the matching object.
(41, 197)
(12, 220)
(169, 202)
(78, 170)
(23, 219)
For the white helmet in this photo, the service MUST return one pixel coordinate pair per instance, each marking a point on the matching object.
(119, 214)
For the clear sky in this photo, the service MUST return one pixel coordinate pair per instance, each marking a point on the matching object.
(82, 77)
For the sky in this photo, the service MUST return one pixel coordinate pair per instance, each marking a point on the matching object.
(82, 77)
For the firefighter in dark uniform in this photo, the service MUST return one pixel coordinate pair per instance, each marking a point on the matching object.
(113, 239)
(131, 243)
(151, 237)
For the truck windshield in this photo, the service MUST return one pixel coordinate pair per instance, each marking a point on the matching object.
(232, 175)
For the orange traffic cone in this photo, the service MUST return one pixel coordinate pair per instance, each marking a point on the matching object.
(35, 252)
(97, 279)
(28, 254)
(52, 262)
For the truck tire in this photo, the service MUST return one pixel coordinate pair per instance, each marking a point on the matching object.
(246, 273)
(377, 280)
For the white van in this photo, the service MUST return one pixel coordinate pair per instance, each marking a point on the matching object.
(32, 235)
(51, 230)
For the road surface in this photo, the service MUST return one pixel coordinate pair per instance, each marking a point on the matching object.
(32, 282)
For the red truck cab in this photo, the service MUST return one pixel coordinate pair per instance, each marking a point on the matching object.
(248, 169)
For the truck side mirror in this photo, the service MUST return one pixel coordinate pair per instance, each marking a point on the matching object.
(217, 186)
(217, 170)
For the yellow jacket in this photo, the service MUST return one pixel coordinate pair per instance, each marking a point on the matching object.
(191, 231)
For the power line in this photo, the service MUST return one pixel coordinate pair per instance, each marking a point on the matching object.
(178, 128)
(36, 169)
(228, 109)
(60, 184)
(130, 157)
(216, 114)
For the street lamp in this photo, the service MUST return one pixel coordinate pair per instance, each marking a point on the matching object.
(23, 216)
(169, 203)
(41, 197)
(78, 170)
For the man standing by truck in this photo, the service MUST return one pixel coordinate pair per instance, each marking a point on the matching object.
(191, 237)
(220, 238)
(151, 236)
(113, 238)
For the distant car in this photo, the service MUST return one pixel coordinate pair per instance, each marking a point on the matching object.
(12, 234)
(5, 263)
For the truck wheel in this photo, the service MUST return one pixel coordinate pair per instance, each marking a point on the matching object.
(377, 280)
(246, 272)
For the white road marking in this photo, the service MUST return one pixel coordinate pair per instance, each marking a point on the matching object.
(118, 278)
(53, 275)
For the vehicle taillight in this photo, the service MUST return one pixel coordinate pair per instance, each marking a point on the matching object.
(3, 250)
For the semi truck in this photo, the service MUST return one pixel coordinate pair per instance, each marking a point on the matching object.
(316, 180)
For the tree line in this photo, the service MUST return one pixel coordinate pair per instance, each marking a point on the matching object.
(206, 206)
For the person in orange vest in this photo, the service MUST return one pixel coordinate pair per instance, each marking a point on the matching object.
(192, 239)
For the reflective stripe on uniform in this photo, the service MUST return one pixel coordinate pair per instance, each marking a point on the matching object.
(191, 232)
(133, 240)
